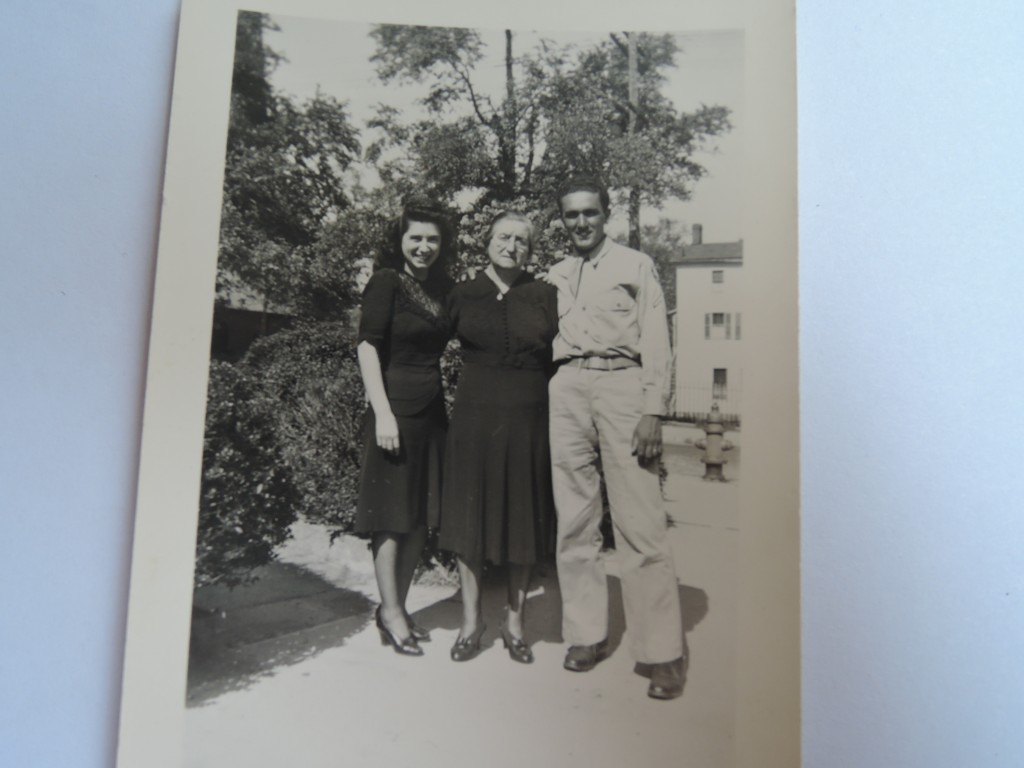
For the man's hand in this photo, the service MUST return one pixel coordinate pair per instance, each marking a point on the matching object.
(387, 432)
(647, 438)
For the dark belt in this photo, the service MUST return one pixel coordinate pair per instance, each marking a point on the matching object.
(598, 363)
(497, 360)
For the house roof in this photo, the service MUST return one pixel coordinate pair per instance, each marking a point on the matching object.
(710, 254)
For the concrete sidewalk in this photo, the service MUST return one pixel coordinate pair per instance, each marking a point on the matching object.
(293, 672)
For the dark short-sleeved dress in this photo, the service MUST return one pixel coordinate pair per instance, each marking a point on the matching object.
(497, 503)
(407, 323)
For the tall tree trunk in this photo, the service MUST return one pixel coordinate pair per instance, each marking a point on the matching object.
(634, 107)
(507, 139)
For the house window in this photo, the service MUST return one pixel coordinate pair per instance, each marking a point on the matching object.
(719, 384)
(717, 276)
(718, 325)
(738, 316)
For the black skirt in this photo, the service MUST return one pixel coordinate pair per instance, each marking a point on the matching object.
(497, 496)
(400, 493)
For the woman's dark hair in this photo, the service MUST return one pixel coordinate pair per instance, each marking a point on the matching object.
(423, 212)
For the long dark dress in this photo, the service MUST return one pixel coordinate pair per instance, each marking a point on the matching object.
(408, 326)
(497, 502)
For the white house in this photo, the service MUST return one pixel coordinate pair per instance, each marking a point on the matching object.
(708, 328)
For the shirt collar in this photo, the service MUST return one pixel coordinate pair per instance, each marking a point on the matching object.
(597, 255)
(502, 286)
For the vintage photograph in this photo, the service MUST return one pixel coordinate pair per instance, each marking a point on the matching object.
(382, 465)
(470, 479)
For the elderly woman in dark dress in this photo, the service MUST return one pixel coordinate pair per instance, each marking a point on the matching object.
(497, 503)
(403, 330)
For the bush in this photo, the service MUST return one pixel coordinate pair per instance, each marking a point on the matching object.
(451, 367)
(311, 374)
(247, 500)
(284, 439)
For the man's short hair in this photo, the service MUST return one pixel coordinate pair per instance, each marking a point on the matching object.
(585, 182)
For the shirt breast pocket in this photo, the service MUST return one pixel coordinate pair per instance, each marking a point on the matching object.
(617, 301)
(613, 318)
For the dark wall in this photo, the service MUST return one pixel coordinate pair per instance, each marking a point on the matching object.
(235, 329)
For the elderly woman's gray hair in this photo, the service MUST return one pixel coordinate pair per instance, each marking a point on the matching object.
(512, 216)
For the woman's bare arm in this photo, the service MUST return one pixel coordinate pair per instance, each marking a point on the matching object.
(373, 382)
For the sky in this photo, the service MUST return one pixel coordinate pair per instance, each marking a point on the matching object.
(334, 57)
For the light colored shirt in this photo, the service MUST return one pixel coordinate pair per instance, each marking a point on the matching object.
(611, 305)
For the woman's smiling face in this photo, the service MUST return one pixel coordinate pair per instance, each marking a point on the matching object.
(421, 245)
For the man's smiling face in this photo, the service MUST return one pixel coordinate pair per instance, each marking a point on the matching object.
(584, 218)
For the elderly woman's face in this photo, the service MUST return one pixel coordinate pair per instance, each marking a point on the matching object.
(421, 245)
(510, 244)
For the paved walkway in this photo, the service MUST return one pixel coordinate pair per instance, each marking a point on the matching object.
(291, 672)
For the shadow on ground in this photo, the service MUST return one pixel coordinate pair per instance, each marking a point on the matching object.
(243, 634)
(544, 609)
(693, 603)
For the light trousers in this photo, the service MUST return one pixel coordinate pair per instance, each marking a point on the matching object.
(593, 415)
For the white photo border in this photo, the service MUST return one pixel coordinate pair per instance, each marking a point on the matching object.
(160, 594)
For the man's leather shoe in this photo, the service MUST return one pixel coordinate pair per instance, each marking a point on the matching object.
(666, 680)
(583, 658)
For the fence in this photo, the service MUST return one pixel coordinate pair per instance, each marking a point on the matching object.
(693, 403)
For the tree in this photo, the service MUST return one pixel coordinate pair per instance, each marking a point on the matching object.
(280, 427)
(623, 127)
(284, 178)
(563, 110)
(328, 271)
(445, 58)
(664, 242)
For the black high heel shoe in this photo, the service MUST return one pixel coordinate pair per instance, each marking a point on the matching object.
(406, 647)
(518, 650)
(422, 634)
(467, 648)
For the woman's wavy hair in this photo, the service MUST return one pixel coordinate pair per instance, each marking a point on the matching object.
(422, 211)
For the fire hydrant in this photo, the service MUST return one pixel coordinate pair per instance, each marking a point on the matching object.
(714, 446)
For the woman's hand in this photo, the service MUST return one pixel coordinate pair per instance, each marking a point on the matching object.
(373, 381)
(387, 432)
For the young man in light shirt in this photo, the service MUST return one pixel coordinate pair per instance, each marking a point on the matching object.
(607, 399)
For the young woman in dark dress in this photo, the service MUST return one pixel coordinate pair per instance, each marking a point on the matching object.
(403, 330)
(497, 503)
